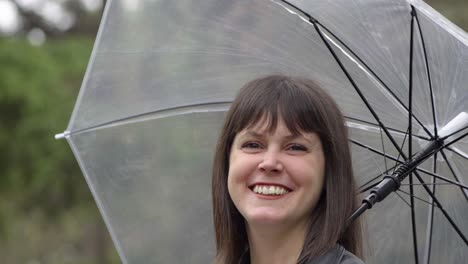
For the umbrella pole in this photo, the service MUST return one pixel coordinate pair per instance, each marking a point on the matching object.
(391, 183)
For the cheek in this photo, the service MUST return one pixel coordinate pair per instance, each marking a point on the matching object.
(239, 166)
(311, 172)
(235, 172)
(311, 178)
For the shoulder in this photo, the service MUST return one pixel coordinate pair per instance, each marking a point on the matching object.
(350, 258)
(336, 255)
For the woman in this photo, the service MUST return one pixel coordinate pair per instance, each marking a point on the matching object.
(282, 184)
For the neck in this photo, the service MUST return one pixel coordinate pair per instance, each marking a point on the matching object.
(273, 244)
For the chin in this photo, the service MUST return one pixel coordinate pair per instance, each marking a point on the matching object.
(265, 217)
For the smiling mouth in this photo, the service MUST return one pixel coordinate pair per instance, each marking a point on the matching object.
(272, 190)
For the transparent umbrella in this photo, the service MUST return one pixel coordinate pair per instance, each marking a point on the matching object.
(163, 73)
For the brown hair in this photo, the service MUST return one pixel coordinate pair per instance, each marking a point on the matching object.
(304, 106)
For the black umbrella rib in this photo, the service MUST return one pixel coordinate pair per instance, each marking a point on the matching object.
(374, 150)
(410, 137)
(418, 169)
(442, 209)
(429, 231)
(377, 152)
(459, 130)
(430, 217)
(437, 176)
(431, 91)
(316, 24)
(416, 197)
(383, 147)
(369, 69)
(455, 140)
(133, 117)
(403, 199)
(361, 95)
(428, 184)
(455, 175)
(434, 198)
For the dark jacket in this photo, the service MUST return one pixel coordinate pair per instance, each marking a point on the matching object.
(337, 255)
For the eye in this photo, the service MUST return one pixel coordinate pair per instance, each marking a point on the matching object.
(251, 145)
(296, 147)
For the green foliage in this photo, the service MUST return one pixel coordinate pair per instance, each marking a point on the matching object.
(40, 183)
(38, 88)
(455, 10)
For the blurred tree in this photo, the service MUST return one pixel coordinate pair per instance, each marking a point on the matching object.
(38, 89)
(455, 10)
(56, 17)
(41, 184)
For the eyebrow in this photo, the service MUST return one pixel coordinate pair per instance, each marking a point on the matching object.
(288, 137)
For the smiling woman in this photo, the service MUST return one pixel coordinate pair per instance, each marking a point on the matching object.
(282, 178)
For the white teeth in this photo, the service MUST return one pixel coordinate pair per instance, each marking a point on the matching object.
(270, 190)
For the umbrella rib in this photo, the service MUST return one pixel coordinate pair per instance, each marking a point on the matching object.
(373, 150)
(415, 197)
(428, 246)
(442, 209)
(430, 217)
(461, 185)
(356, 88)
(377, 152)
(173, 111)
(418, 169)
(410, 136)
(455, 175)
(369, 69)
(403, 199)
(400, 153)
(428, 184)
(377, 165)
(431, 91)
(383, 149)
(316, 24)
(389, 128)
(455, 140)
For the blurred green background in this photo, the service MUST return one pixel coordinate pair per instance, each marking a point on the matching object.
(47, 214)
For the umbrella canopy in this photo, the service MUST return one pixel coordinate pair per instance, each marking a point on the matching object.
(163, 73)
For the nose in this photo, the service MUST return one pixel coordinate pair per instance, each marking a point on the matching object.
(271, 162)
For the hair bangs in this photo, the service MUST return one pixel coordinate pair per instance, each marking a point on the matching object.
(277, 99)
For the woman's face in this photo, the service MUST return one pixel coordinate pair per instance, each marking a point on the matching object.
(275, 178)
